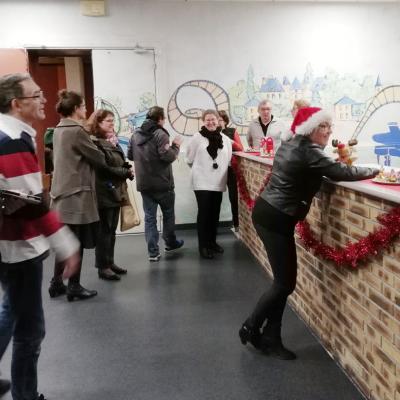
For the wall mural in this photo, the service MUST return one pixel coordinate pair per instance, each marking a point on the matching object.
(388, 142)
(352, 99)
(187, 122)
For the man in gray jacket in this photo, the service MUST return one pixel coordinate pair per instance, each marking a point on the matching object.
(153, 155)
(266, 126)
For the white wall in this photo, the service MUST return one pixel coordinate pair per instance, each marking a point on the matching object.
(346, 37)
(219, 40)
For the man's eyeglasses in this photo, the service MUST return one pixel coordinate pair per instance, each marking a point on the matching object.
(39, 95)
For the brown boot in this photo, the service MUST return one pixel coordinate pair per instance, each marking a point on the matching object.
(118, 270)
(108, 275)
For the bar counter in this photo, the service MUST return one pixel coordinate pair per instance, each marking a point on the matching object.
(354, 311)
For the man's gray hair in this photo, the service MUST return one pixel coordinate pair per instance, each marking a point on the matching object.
(11, 88)
(263, 103)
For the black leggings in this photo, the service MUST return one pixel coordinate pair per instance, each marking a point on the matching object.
(276, 230)
(209, 206)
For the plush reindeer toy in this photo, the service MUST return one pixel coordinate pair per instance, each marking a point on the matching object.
(345, 151)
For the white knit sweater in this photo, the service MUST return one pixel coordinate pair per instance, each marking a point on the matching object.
(204, 176)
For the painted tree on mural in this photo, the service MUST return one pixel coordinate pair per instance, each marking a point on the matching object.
(146, 101)
(251, 86)
(238, 98)
(308, 75)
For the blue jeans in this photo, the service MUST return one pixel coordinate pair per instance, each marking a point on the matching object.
(166, 201)
(23, 310)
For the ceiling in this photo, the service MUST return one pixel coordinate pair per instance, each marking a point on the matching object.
(284, 1)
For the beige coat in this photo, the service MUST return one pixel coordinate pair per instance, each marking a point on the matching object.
(73, 190)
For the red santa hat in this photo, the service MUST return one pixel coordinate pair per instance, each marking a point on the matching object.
(308, 118)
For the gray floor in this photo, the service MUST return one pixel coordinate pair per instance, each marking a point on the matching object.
(168, 331)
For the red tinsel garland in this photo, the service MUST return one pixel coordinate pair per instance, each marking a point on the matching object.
(353, 253)
(359, 251)
(243, 191)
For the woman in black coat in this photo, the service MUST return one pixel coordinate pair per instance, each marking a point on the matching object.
(111, 193)
(299, 167)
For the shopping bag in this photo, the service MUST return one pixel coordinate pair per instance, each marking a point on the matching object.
(129, 213)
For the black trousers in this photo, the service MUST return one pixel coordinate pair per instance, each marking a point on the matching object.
(106, 240)
(209, 206)
(276, 230)
(233, 196)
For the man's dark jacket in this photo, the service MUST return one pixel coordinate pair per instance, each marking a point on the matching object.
(153, 155)
(297, 174)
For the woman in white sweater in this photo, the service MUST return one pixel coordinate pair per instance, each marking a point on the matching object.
(209, 153)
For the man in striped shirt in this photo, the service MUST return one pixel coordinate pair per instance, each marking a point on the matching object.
(27, 233)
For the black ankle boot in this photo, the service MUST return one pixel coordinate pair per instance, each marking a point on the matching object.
(75, 290)
(5, 386)
(249, 334)
(57, 288)
(216, 248)
(206, 253)
(271, 342)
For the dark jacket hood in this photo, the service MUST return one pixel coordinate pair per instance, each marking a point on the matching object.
(146, 131)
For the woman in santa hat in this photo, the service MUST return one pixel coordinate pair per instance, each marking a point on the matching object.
(299, 167)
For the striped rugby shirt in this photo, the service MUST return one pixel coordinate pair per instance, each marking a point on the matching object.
(28, 233)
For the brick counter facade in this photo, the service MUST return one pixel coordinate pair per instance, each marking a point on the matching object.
(355, 313)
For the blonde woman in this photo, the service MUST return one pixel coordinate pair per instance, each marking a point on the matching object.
(297, 104)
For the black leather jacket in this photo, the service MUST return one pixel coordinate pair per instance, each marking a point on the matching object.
(297, 173)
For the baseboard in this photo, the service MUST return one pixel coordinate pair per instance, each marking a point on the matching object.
(184, 227)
